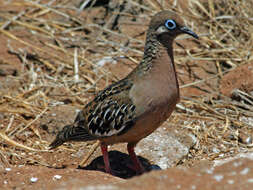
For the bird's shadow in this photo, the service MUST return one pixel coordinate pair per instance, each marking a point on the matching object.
(120, 165)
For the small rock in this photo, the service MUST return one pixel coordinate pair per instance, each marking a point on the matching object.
(33, 179)
(250, 180)
(166, 146)
(245, 171)
(218, 177)
(239, 78)
(56, 177)
(245, 138)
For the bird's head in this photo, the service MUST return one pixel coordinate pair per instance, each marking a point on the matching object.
(167, 25)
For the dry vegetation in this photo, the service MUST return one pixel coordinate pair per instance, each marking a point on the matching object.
(61, 46)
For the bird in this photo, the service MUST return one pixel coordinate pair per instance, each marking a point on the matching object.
(132, 108)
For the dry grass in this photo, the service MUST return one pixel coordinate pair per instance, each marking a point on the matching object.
(59, 47)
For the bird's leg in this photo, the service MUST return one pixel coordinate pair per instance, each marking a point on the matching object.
(106, 158)
(137, 165)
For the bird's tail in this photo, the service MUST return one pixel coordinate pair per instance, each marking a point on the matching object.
(71, 133)
(74, 132)
(62, 137)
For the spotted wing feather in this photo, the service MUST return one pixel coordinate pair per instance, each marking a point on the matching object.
(111, 112)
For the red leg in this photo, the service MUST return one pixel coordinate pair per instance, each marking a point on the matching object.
(106, 158)
(137, 165)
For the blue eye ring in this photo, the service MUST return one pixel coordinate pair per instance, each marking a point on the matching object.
(170, 24)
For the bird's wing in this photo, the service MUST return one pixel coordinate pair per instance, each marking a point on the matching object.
(111, 112)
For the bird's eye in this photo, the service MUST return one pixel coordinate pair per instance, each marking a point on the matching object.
(170, 24)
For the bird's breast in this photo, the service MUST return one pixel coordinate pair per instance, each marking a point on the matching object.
(159, 89)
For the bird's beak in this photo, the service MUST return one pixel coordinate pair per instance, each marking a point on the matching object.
(186, 30)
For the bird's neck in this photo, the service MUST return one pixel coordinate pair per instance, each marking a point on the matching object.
(157, 62)
(156, 55)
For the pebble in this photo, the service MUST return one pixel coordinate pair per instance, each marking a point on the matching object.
(218, 177)
(245, 138)
(56, 177)
(33, 179)
(245, 171)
